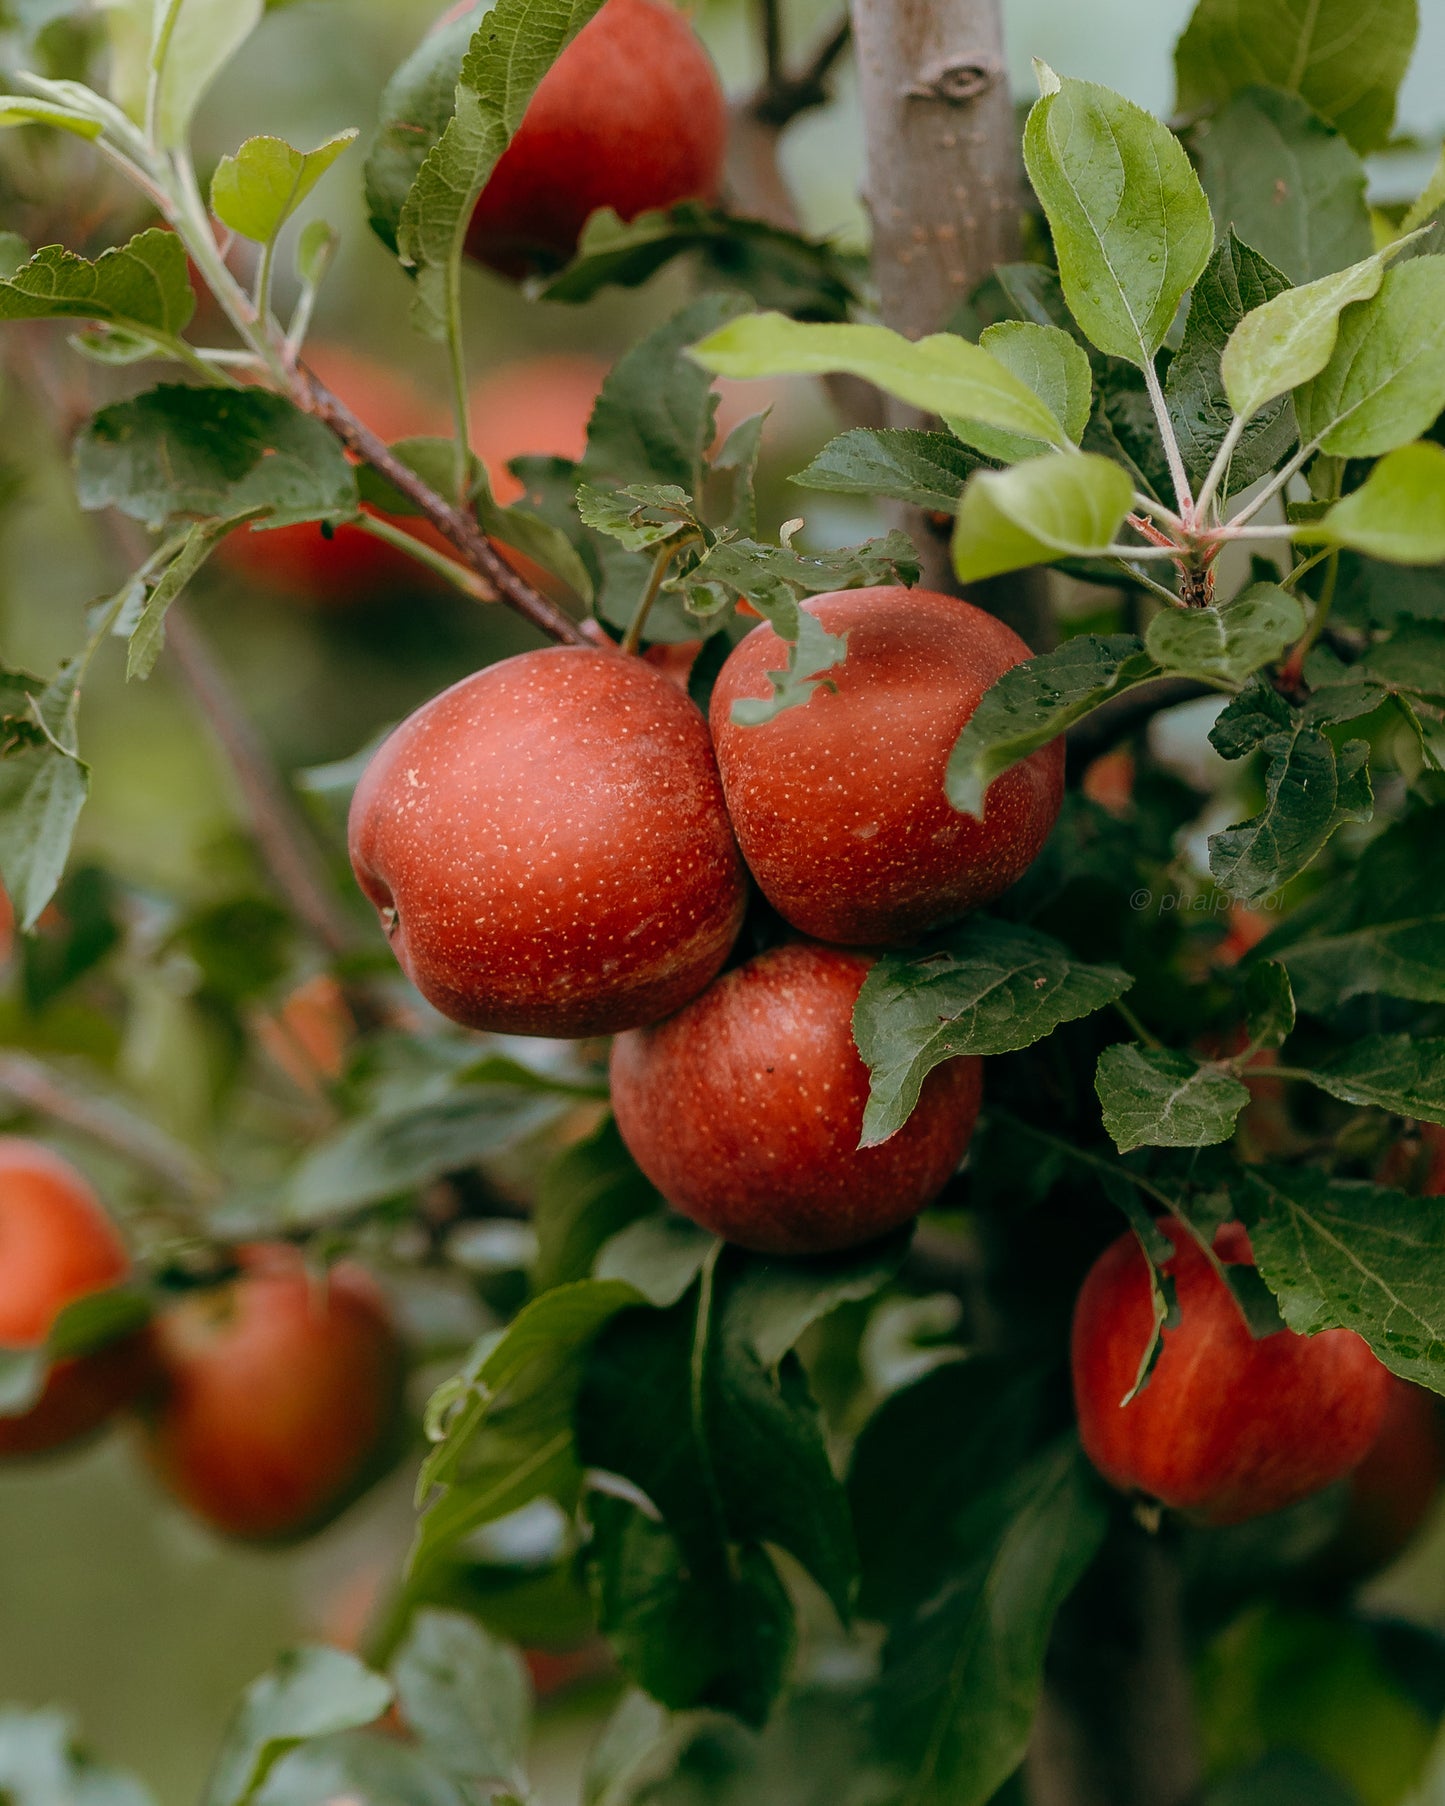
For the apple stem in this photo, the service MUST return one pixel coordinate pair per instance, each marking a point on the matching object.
(455, 524)
(632, 640)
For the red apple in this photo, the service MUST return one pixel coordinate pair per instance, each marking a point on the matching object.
(548, 849)
(1227, 1428)
(281, 1390)
(745, 1110)
(1109, 781)
(347, 565)
(1392, 1491)
(839, 804)
(58, 1245)
(631, 116)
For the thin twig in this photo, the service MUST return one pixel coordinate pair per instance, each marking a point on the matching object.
(454, 523)
(60, 1098)
(772, 27)
(783, 97)
(283, 837)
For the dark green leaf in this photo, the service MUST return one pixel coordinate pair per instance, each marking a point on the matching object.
(1347, 58)
(590, 1191)
(1037, 701)
(1158, 1099)
(1403, 1073)
(1226, 645)
(987, 987)
(1236, 281)
(148, 638)
(962, 1682)
(212, 452)
(926, 470)
(511, 49)
(43, 787)
(142, 285)
(1340, 1253)
(909, 1488)
(807, 278)
(311, 1692)
(1269, 1010)
(1289, 186)
(1381, 928)
(416, 107)
(385, 1155)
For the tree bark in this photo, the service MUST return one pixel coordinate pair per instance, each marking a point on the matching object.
(1116, 1727)
(944, 188)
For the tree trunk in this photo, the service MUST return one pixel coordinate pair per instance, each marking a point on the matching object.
(944, 191)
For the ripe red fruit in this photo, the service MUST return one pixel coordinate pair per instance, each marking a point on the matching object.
(280, 1392)
(58, 1245)
(1393, 1489)
(547, 846)
(631, 116)
(537, 407)
(347, 566)
(839, 805)
(745, 1110)
(1227, 1428)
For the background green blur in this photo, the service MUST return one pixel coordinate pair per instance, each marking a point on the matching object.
(110, 1603)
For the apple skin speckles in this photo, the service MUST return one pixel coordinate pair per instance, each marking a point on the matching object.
(839, 804)
(745, 1110)
(547, 846)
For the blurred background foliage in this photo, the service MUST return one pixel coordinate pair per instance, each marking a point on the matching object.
(112, 1605)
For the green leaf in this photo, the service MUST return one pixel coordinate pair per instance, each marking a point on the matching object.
(27, 109)
(311, 1692)
(908, 1489)
(1064, 505)
(659, 1256)
(1347, 58)
(40, 1766)
(639, 1745)
(1131, 226)
(388, 1154)
(416, 106)
(590, 1191)
(149, 635)
(703, 1408)
(1432, 199)
(1277, 175)
(512, 48)
(806, 278)
(986, 987)
(503, 1427)
(526, 532)
(926, 470)
(1401, 1073)
(143, 285)
(962, 1682)
(466, 1696)
(370, 1769)
(1055, 366)
(1225, 645)
(1237, 281)
(1311, 788)
(1398, 512)
(43, 787)
(256, 191)
(1340, 1253)
(1158, 1099)
(1037, 701)
(218, 453)
(1385, 383)
(942, 374)
(1282, 345)
(194, 41)
(1380, 928)
(1269, 1007)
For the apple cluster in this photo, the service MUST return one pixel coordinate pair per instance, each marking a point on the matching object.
(560, 845)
